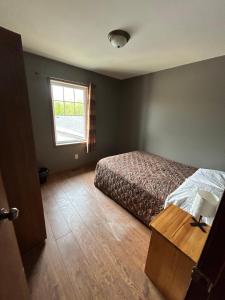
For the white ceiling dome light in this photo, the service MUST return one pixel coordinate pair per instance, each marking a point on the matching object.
(118, 38)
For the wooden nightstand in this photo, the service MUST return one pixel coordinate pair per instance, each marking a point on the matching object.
(174, 249)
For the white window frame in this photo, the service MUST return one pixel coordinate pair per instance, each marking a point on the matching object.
(65, 83)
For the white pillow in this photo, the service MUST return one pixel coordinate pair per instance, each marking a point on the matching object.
(203, 179)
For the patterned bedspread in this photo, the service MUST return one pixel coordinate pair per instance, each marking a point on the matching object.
(140, 182)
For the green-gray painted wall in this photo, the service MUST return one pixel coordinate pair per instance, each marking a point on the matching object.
(107, 95)
(177, 113)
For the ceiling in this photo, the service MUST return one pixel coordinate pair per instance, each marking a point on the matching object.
(164, 33)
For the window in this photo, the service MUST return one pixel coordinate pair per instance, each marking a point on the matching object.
(69, 112)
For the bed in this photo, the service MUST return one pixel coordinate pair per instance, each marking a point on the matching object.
(140, 182)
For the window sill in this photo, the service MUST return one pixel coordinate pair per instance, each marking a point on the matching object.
(70, 144)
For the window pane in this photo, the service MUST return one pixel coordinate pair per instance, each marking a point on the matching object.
(69, 112)
(79, 95)
(57, 92)
(79, 109)
(69, 108)
(68, 94)
(69, 128)
(58, 108)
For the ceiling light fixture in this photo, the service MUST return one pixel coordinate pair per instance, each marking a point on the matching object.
(118, 38)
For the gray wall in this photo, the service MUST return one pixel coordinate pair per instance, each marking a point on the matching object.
(177, 113)
(107, 96)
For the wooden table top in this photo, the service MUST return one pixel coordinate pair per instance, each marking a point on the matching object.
(174, 224)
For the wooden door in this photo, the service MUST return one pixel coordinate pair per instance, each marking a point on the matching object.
(17, 153)
(13, 283)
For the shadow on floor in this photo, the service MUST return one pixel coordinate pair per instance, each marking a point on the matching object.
(32, 258)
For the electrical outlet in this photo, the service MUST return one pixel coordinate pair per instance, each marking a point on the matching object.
(76, 156)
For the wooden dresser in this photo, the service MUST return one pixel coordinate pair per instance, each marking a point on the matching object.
(174, 249)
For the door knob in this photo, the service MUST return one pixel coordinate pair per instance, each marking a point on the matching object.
(10, 214)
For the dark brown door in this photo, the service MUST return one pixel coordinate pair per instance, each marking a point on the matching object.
(17, 153)
(208, 280)
(13, 283)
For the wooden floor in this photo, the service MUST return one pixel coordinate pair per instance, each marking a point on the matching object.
(94, 249)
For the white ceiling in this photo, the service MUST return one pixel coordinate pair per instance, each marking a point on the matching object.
(164, 33)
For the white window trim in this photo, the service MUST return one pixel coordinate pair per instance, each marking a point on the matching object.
(65, 83)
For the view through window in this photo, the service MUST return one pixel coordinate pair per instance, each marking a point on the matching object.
(69, 112)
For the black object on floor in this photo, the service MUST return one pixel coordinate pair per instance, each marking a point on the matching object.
(43, 175)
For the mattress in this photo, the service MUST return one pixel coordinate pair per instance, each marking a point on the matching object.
(139, 181)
